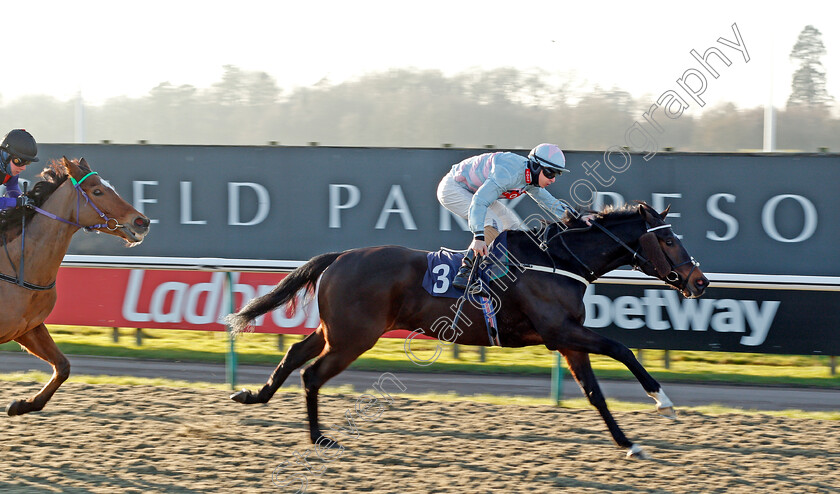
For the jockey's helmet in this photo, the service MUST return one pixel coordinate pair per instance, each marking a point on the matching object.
(20, 144)
(548, 156)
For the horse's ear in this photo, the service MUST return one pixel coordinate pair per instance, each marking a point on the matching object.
(83, 162)
(665, 212)
(71, 167)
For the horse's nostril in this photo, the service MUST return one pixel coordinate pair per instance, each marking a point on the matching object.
(141, 222)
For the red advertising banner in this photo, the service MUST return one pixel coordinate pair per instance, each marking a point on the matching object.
(169, 299)
(173, 299)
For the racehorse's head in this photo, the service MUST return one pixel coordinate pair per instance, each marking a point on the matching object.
(107, 211)
(668, 259)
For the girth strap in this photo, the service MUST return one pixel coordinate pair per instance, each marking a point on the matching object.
(26, 284)
(490, 321)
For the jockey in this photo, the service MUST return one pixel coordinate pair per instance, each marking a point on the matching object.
(17, 150)
(473, 187)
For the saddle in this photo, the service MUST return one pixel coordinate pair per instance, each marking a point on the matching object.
(442, 266)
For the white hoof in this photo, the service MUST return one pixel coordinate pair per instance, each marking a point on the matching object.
(663, 404)
(637, 453)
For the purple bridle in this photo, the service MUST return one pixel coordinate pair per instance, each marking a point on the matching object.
(79, 194)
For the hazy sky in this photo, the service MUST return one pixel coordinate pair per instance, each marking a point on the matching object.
(113, 48)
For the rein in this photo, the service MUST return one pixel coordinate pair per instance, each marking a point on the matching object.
(672, 277)
(18, 280)
(624, 244)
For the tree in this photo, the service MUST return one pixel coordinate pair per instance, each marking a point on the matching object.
(808, 85)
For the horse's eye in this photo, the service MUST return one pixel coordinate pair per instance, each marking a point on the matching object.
(97, 192)
(669, 242)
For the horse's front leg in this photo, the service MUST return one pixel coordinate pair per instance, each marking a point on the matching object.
(581, 370)
(38, 342)
(618, 351)
(582, 339)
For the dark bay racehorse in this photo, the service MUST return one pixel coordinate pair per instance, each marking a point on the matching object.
(365, 292)
(69, 196)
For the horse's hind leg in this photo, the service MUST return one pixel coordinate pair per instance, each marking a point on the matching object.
(38, 342)
(297, 355)
(581, 370)
(313, 377)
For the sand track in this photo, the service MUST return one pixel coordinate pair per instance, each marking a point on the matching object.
(107, 438)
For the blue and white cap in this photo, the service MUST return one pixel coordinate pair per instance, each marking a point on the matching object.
(549, 156)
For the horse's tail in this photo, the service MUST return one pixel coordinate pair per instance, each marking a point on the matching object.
(305, 276)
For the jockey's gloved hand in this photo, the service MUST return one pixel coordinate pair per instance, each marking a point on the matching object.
(24, 201)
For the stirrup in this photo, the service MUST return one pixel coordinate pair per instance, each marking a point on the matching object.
(477, 289)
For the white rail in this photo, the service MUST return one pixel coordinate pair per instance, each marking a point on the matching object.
(626, 277)
(736, 280)
(185, 263)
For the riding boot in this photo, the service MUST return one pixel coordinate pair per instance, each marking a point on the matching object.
(463, 276)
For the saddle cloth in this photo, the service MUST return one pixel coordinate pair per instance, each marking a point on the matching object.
(443, 265)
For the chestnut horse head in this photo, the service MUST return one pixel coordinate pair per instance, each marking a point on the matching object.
(98, 207)
(35, 238)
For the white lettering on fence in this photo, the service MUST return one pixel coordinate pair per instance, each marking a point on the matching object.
(661, 310)
(206, 302)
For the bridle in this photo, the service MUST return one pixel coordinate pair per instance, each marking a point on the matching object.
(672, 278)
(80, 193)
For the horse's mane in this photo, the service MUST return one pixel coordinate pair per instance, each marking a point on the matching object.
(612, 213)
(52, 176)
(608, 214)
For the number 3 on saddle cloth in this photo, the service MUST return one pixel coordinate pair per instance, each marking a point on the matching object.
(443, 265)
